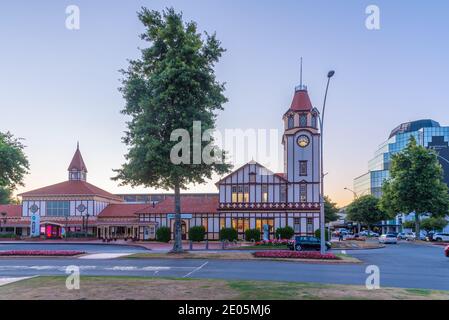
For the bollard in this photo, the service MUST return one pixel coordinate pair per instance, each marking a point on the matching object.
(207, 244)
(191, 245)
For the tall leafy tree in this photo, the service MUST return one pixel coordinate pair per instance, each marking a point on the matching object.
(171, 86)
(13, 162)
(5, 196)
(416, 184)
(433, 224)
(365, 210)
(330, 210)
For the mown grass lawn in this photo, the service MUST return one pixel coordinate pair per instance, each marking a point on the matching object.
(121, 288)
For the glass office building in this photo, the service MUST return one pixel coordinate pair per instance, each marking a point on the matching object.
(427, 133)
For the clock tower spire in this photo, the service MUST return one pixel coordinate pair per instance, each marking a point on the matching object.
(77, 169)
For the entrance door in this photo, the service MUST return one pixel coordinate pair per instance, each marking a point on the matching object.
(183, 230)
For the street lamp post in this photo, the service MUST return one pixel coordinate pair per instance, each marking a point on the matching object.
(330, 74)
(353, 192)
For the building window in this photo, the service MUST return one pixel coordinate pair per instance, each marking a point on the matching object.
(309, 225)
(240, 224)
(314, 123)
(252, 177)
(264, 193)
(283, 196)
(297, 225)
(303, 192)
(204, 223)
(222, 223)
(240, 194)
(290, 122)
(58, 208)
(303, 168)
(303, 120)
(234, 194)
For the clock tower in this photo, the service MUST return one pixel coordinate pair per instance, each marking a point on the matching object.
(301, 141)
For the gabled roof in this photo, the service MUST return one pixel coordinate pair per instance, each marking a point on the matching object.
(77, 163)
(279, 175)
(301, 101)
(122, 210)
(71, 188)
(189, 204)
(11, 210)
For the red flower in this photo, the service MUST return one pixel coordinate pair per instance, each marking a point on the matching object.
(59, 253)
(296, 255)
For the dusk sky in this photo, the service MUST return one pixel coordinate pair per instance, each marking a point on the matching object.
(59, 86)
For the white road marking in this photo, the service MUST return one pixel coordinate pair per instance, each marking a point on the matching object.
(4, 281)
(196, 269)
(105, 255)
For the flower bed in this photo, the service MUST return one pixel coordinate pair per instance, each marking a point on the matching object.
(274, 242)
(296, 255)
(47, 253)
(355, 239)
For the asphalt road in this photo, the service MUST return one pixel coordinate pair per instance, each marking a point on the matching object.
(404, 265)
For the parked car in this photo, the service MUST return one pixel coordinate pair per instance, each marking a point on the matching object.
(388, 238)
(302, 243)
(446, 251)
(409, 236)
(441, 237)
(367, 233)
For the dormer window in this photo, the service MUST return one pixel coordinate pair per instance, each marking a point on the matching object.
(290, 122)
(314, 123)
(303, 120)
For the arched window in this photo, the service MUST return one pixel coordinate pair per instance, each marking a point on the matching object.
(303, 120)
(290, 122)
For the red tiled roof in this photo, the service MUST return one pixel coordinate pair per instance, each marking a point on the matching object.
(71, 188)
(77, 162)
(281, 175)
(121, 210)
(301, 101)
(189, 204)
(12, 210)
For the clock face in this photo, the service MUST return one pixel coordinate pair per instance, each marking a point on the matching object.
(303, 141)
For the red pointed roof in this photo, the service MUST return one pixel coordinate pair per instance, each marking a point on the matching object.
(301, 101)
(77, 163)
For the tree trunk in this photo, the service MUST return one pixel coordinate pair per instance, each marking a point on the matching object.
(417, 226)
(177, 245)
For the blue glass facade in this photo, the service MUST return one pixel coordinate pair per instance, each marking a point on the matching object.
(427, 133)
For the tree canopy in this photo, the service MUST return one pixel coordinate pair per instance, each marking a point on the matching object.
(13, 161)
(365, 210)
(169, 88)
(416, 184)
(330, 210)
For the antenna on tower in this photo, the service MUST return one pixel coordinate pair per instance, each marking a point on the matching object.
(301, 86)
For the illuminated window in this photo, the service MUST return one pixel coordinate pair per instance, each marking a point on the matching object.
(205, 224)
(264, 193)
(234, 193)
(222, 223)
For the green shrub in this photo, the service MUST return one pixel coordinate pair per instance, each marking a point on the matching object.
(252, 234)
(163, 234)
(285, 233)
(78, 234)
(229, 234)
(197, 233)
(7, 235)
(318, 234)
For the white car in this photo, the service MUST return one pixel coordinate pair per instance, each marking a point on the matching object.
(441, 237)
(388, 238)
